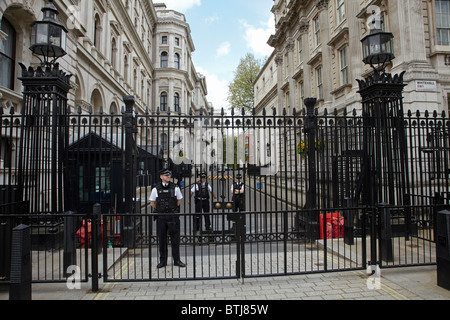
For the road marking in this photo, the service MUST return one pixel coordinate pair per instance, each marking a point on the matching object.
(119, 272)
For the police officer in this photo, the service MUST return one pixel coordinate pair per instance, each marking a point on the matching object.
(202, 190)
(165, 199)
(238, 191)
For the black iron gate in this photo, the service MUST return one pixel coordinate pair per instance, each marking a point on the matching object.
(304, 197)
(324, 192)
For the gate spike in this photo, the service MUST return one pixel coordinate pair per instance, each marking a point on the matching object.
(284, 112)
(190, 111)
(222, 112)
(232, 111)
(325, 112)
(443, 114)
(264, 111)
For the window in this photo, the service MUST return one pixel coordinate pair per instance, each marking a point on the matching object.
(100, 179)
(126, 68)
(176, 102)
(448, 103)
(97, 32)
(287, 99)
(344, 65)
(319, 82)
(443, 22)
(164, 60)
(114, 53)
(302, 94)
(286, 60)
(177, 41)
(340, 10)
(164, 39)
(317, 30)
(177, 61)
(164, 142)
(163, 101)
(300, 50)
(5, 153)
(7, 56)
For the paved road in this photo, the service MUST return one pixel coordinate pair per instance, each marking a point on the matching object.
(415, 283)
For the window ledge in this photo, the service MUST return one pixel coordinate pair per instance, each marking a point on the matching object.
(341, 89)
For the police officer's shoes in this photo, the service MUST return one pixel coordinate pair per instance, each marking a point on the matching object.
(179, 264)
(161, 265)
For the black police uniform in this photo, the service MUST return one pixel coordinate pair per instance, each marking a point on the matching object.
(202, 204)
(238, 199)
(168, 224)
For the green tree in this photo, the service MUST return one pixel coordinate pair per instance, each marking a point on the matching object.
(241, 92)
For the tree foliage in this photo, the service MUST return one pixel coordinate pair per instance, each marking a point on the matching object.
(241, 92)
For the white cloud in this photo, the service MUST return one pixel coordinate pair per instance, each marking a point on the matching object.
(211, 19)
(256, 38)
(224, 49)
(217, 89)
(181, 5)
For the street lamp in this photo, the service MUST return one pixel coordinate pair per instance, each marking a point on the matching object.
(384, 148)
(48, 38)
(378, 47)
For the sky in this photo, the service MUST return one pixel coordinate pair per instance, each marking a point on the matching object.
(223, 32)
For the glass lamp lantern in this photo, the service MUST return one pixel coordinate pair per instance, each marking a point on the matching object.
(378, 47)
(48, 38)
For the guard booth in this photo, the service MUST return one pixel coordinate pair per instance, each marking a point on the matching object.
(96, 170)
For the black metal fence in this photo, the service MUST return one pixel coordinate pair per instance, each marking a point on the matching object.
(307, 207)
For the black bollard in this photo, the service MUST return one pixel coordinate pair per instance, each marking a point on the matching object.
(69, 255)
(20, 286)
(443, 249)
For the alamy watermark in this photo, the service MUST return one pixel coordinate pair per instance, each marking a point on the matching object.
(374, 281)
(74, 281)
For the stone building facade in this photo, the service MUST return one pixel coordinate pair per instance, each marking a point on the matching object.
(115, 48)
(318, 52)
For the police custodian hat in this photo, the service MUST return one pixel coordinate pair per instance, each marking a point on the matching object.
(165, 172)
(203, 175)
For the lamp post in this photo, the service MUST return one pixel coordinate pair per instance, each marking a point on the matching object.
(45, 133)
(385, 171)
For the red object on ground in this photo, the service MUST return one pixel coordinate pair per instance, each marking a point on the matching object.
(81, 233)
(335, 225)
